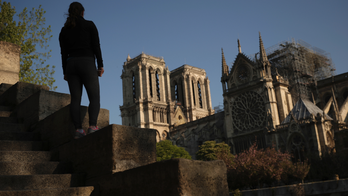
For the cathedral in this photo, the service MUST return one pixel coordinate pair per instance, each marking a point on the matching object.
(154, 97)
(288, 98)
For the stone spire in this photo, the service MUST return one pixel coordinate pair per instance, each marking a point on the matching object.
(263, 56)
(224, 65)
(128, 58)
(265, 64)
(239, 47)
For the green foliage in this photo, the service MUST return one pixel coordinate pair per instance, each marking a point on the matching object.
(29, 32)
(210, 150)
(236, 192)
(166, 150)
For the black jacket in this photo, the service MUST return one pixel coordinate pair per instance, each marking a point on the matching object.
(80, 41)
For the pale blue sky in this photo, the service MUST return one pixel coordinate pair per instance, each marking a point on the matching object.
(193, 32)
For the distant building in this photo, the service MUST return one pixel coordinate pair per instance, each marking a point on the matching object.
(288, 98)
(154, 97)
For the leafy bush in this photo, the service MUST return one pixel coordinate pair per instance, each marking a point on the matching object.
(210, 150)
(166, 150)
(300, 170)
(236, 192)
(256, 167)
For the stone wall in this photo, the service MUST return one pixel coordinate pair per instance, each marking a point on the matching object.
(174, 177)
(9, 62)
(193, 134)
(342, 141)
(324, 188)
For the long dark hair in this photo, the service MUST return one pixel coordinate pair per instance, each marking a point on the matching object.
(75, 10)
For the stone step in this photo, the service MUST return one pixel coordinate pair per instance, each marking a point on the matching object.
(15, 127)
(5, 108)
(8, 119)
(7, 145)
(42, 181)
(25, 156)
(5, 113)
(4, 87)
(72, 191)
(34, 168)
(19, 136)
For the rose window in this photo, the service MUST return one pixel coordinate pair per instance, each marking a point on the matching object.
(248, 111)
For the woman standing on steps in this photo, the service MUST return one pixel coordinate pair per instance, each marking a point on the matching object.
(79, 43)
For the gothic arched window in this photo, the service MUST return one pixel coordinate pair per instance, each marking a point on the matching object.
(176, 91)
(193, 92)
(134, 89)
(158, 87)
(200, 95)
(297, 146)
(150, 83)
(182, 99)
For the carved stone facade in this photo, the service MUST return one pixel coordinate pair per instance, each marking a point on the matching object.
(260, 105)
(154, 97)
(190, 88)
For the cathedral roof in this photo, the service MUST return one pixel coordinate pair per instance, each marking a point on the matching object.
(303, 109)
(241, 56)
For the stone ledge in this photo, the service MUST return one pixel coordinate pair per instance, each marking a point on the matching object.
(38, 106)
(8, 77)
(175, 177)
(58, 129)
(4, 87)
(19, 92)
(112, 149)
(330, 187)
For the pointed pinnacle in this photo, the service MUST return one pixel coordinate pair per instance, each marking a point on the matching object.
(128, 58)
(239, 47)
(224, 65)
(263, 56)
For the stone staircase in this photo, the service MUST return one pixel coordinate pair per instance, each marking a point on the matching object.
(38, 155)
(27, 167)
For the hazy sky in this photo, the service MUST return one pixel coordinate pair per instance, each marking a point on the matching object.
(193, 32)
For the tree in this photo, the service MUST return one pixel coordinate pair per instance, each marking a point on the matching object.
(256, 167)
(300, 170)
(29, 32)
(166, 150)
(210, 150)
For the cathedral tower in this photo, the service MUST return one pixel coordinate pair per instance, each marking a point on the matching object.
(190, 88)
(146, 94)
(154, 97)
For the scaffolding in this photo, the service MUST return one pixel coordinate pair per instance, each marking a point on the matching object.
(301, 64)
